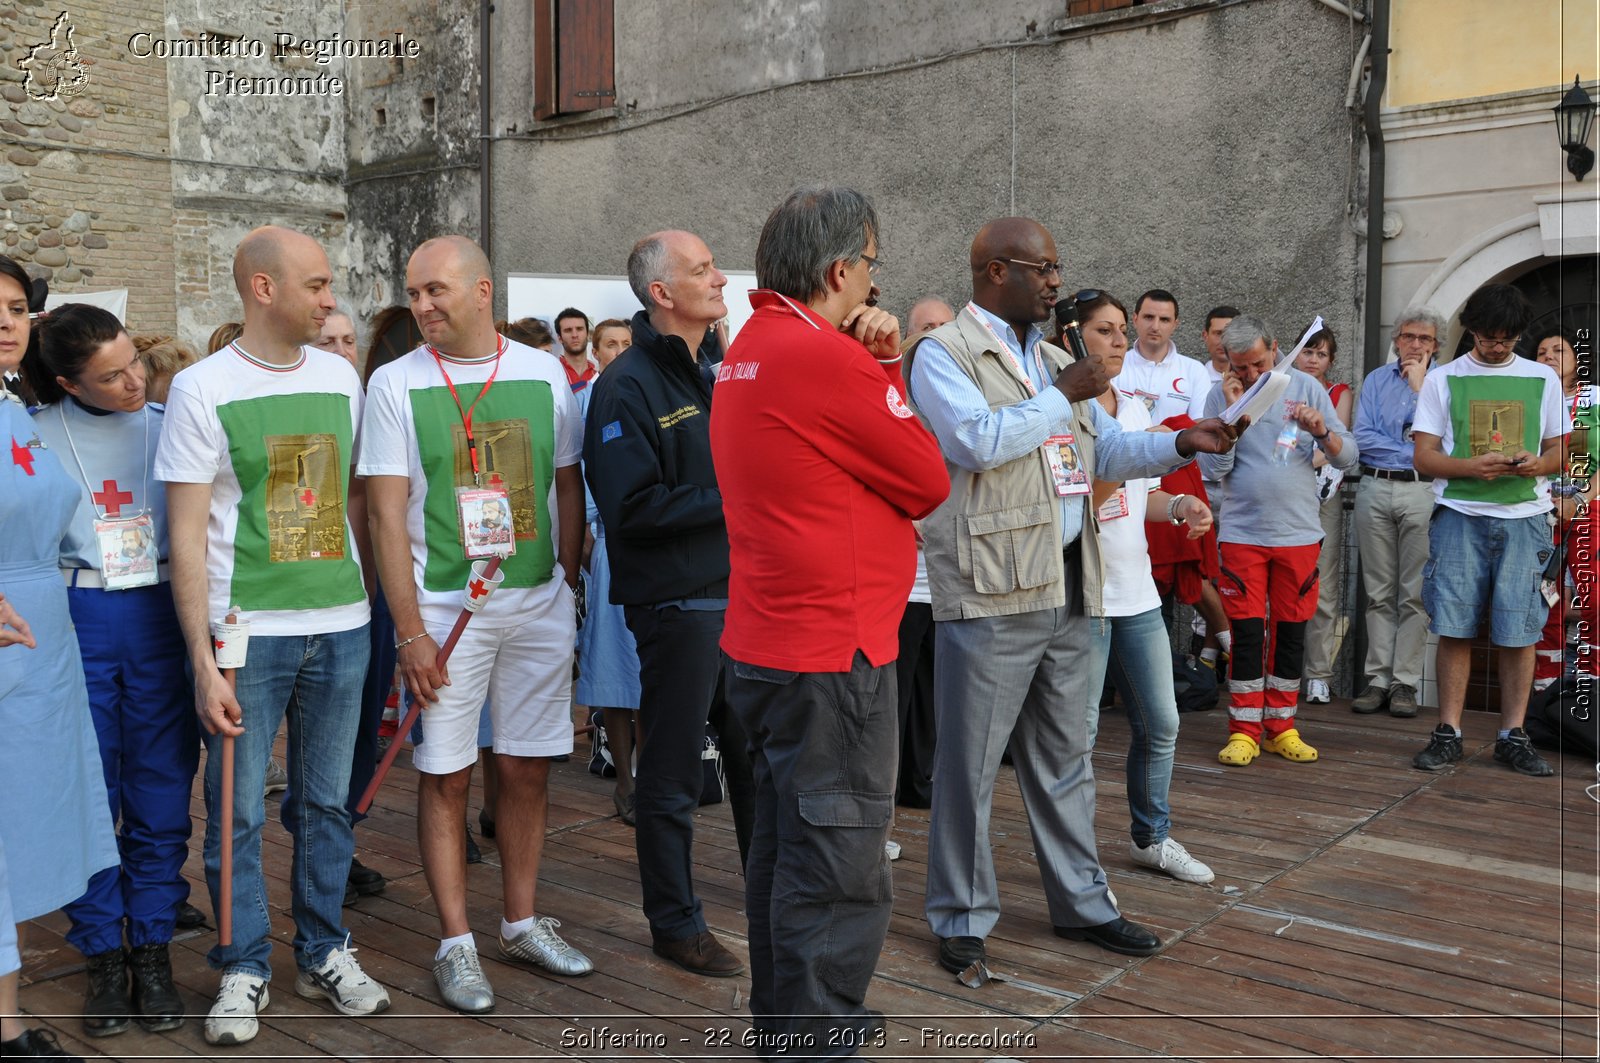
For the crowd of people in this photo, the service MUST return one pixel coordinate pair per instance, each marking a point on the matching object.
(875, 562)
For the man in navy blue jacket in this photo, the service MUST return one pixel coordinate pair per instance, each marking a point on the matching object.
(647, 458)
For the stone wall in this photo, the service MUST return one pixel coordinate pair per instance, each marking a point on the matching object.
(84, 176)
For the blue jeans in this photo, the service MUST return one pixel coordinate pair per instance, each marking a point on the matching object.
(1141, 668)
(314, 680)
(1479, 562)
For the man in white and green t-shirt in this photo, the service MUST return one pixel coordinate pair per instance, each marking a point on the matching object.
(1488, 428)
(463, 430)
(265, 520)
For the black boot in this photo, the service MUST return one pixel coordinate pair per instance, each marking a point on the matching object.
(36, 1044)
(106, 1006)
(155, 998)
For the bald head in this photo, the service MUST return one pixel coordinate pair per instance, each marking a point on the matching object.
(286, 286)
(927, 314)
(1015, 273)
(265, 251)
(452, 295)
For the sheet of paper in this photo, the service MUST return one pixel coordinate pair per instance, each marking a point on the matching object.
(1269, 387)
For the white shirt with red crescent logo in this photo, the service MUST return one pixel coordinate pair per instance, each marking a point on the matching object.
(1175, 385)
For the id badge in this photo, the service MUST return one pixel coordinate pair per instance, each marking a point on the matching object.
(485, 514)
(1066, 465)
(129, 556)
(1114, 507)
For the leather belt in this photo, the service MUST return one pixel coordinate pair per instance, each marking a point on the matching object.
(1402, 475)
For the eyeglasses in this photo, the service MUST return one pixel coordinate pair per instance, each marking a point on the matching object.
(1414, 337)
(1486, 343)
(872, 265)
(1044, 268)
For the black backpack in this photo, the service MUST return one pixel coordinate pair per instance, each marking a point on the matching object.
(1194, 683)
(1565, 718)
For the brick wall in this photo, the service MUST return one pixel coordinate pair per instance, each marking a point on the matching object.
(85, 185)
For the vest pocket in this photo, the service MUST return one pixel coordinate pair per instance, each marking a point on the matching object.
(1011, 549)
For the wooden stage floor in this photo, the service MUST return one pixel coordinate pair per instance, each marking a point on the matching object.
(1361, 910)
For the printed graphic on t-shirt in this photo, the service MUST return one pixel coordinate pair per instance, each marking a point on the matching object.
(290, 546)
(305, 503)
(514, 427)
(1499, 415)
(505, 458)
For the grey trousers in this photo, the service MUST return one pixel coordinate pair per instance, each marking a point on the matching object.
(1319, 659)
(1392, 532)
(818, 893)
(1033, 679)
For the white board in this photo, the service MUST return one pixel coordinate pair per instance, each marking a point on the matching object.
(544, 295)
(114, 300)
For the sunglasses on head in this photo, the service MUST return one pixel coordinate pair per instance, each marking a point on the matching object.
(1067, 309)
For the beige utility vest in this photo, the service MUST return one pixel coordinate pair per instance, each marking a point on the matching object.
(994, 547)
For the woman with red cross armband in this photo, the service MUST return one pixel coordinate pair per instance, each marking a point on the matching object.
(113, 560)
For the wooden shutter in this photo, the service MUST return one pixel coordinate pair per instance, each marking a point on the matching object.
(574, 56)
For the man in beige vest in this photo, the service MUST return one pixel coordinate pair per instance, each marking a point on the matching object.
(1016, 578)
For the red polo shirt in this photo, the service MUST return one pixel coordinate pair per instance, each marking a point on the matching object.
(822, 467)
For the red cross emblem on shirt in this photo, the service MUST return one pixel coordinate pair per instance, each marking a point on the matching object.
(21, 455)
(308, 497)
(111, 498)
(477, 588)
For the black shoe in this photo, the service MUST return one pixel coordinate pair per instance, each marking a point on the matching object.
(364, 880)
(350, 895)
(958, 953)
(486, 824)
(1444, 749)
(474, 854)
(107, 1007)
(189, 917)
(36, 1044)
(1119, 935)
(1516, 752)
(1371, 700)
(155, 998)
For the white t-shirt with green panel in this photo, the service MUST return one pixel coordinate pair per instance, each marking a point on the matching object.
(1474, 409)
(277, 444)
(526, 426)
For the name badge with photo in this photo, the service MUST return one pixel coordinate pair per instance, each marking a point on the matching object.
(1066, 465)
(1114, 507)
(485, 514)
(129, 555)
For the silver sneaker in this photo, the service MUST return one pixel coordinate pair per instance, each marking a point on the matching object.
(461, 980)
(341, 979)
(1317, 692)
(277, 777)
(543, 947)
(891, 849)
(232, 1020)
(1167, 855)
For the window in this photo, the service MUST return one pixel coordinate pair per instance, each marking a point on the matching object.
(574, 58)
(380, 116)
(428, 109)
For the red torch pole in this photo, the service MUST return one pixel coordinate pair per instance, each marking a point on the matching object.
(489, 572)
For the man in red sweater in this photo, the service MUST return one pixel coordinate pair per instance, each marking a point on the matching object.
(822, 468)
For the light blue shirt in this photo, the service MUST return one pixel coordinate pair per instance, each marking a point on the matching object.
(975, 438)
(1383, 419)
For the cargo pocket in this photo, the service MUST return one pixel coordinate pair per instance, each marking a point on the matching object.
(842, 834)
(1012, 549)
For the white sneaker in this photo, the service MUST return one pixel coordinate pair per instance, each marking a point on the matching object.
(891, 849)
(341, 979)
(232, 1020)
(1317, 692)
(1167, 855)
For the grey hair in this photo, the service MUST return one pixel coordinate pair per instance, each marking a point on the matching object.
(813, 228)
(1421, 315)
(647, 263)
(1244, 331)
(342, 307)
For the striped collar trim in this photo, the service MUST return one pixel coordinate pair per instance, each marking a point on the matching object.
(270, 367)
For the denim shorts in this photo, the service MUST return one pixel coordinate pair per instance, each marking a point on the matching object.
(1493, 562)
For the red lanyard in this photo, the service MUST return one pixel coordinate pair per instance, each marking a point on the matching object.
(466, 414)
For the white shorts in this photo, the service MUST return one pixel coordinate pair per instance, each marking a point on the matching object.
(523, 665)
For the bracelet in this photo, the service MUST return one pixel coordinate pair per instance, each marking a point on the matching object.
(1323, 438)
(406, 642)
(1172, 508)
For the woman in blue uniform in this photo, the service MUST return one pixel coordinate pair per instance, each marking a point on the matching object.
(113, 562)
(55, 830)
